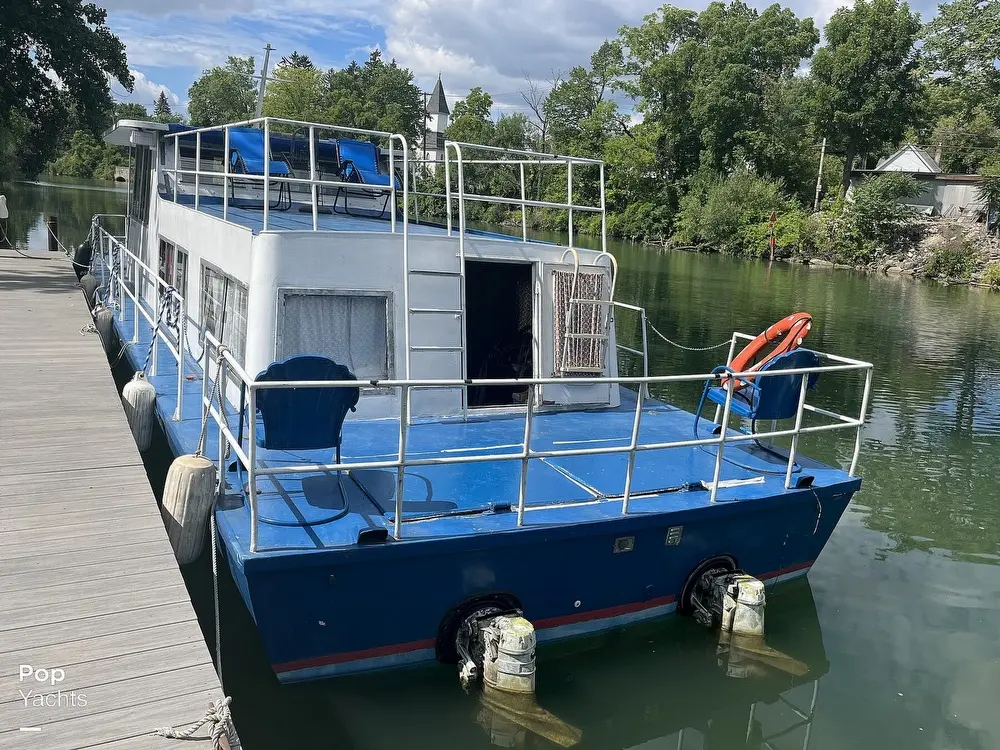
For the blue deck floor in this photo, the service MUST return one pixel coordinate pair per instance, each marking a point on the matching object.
(311, 512)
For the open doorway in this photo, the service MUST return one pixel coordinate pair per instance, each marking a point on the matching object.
(499, 318)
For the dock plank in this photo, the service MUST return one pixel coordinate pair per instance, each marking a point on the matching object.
(88, 582)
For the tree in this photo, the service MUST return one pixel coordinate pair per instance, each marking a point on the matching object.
(295, 60)
(295, 93)
(867, 90)
(130, 111)
(709, 81)
(375, 96)
(962, 47)
(224, 94)
(58, 57)
(162, 111)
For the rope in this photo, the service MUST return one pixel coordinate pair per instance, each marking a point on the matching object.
(56, 238)
(220, 722)
(727, 342)
(169, 312)
(218, 717)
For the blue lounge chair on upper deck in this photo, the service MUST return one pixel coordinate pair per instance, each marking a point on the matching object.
(359, 163)
(246, 156)
(773, 397)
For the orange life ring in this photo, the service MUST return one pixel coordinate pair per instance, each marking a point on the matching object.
(787, 334)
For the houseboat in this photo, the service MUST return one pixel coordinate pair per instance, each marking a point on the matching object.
(419, 426)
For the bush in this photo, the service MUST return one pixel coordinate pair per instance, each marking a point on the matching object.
(951, 261)
(872, 221)
(991, 276)
(731, 215)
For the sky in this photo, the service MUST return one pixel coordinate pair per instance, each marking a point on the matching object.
(488, 43)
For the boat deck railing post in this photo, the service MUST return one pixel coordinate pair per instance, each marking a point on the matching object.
(404, 410)
(197, 171)
(225, 175)
(861, 421)
(722, 438)
(798, 426)
(632, 447)
(267, 172)
(120, 292)
(251, 469)
(177, 163)
(313, 189)
(524, 207)
(522, 495)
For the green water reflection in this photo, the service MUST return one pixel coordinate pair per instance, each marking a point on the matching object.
(898, 621)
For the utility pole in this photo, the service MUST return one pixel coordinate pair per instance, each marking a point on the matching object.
(263, 79)
(819, 177)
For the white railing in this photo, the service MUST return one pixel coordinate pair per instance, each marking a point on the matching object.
(120, 267)
(228, 368)
(521, 159)
(313, 183)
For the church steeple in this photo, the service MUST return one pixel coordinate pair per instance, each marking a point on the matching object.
(438, 105)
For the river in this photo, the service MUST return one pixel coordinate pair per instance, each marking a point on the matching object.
(898, 621)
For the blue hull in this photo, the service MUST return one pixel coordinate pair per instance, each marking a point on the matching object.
(326, 605)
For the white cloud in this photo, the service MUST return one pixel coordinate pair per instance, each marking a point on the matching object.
(146, 92)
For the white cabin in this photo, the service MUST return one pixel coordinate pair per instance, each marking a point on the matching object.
(283, 251)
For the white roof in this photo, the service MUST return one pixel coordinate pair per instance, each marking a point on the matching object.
(121, 133)
(909, 159)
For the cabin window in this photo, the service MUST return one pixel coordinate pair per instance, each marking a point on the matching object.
(173, 266)
(224, 303)
(351, 328)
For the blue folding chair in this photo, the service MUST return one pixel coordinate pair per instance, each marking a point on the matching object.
(302, 418)
(359, 163)
(246, 156)
(773, 397)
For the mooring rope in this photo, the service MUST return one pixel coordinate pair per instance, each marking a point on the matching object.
(220, 721)
(56, 238)
(727, 342)
(169, 312)
(218, 717)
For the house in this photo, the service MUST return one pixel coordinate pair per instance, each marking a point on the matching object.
(948, 195)
(912, 159)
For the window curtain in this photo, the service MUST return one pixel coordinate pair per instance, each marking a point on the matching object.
(583, 356)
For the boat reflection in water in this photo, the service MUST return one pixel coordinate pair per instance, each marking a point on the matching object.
(671, 681)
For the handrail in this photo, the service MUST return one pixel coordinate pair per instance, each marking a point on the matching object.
(108, 243)
(266, 179)
(632, 446)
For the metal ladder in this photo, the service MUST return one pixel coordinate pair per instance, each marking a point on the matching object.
(415, 312)
(604, 337)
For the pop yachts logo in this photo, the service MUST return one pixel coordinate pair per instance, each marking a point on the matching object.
(38, 697)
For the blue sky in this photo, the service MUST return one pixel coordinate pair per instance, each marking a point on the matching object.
(489, 43)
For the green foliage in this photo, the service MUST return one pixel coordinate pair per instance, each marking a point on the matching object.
(872, 222)
(162, 112)
(962, 46)
(374, 96)
(711, 82)
(130, 111)
(732, 215)
(967, 141)
(224, 94)
(88, 158)
(296, 93)
(47, 40)
(866, 89)
(989, 191)
(952, 260)
(991, 276)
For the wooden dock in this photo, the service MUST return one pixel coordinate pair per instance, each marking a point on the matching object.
(88, 582)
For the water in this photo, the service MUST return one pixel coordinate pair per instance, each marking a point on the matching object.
(899, 618)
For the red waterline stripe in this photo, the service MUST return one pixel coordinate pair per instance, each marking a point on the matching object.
(601, 614)
(368, 653)
(551, 622)
(786, 571)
